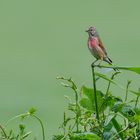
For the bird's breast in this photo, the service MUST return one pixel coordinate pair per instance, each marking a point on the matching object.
(92, 43)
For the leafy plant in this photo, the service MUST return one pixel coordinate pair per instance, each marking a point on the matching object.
(97, 115)
(93, 115)
(22, 134)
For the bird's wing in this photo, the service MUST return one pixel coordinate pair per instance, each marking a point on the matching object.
(102, 46)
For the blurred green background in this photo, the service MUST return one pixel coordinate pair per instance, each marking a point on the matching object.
(42, 39)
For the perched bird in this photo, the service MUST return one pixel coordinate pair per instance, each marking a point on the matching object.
(96, 46)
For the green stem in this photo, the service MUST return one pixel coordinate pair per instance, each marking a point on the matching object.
(77, 113)
(137, 99)
(43, 132)
(64, 124)
(126, 94)
(74, 87)
(5, 135)
(95, 93)
(112, 77)
(112, 67)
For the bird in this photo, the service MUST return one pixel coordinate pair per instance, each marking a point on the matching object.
(96, 46)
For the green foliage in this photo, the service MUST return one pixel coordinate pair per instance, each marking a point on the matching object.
(88, 101)
(22, 134)
(118, 118)
(84, 136)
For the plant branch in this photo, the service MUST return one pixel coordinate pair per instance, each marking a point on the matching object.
(5, 135)
(112, 77)
(126, 94)
(95, 92)
(137, 100)
(43, 133)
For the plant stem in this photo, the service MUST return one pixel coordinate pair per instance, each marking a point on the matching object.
(43, 133)
(95, 92)
(64, 124)
(77, 116)
(77, 112)
(74, 87)
(126, 94)
(112, 77)
(137, 99)
(5, 135)
(112, 67)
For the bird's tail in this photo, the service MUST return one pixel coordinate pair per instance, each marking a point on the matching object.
(109, 61)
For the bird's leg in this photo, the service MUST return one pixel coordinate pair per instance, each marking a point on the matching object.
(94, 62)
(100, 62)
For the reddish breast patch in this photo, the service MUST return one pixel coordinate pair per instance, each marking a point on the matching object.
(92, 43)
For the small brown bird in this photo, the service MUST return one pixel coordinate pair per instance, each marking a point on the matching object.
(96, 46)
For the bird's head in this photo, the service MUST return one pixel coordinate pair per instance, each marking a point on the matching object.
(92, 32)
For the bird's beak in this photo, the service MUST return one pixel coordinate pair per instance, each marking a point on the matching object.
(87, 31)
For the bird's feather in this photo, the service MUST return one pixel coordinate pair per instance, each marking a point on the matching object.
(102, 46)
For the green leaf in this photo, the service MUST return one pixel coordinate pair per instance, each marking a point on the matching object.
(134, 69)
(85, 136)
(127, 111)
(88, 101)
(118, 128)
(107, 133)
(111, 100)
(104, 77)
(26, 135)
(109, 119)
(88, 92)
(137, 118)
(58, 137)
(117, 106)
(136, 93)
